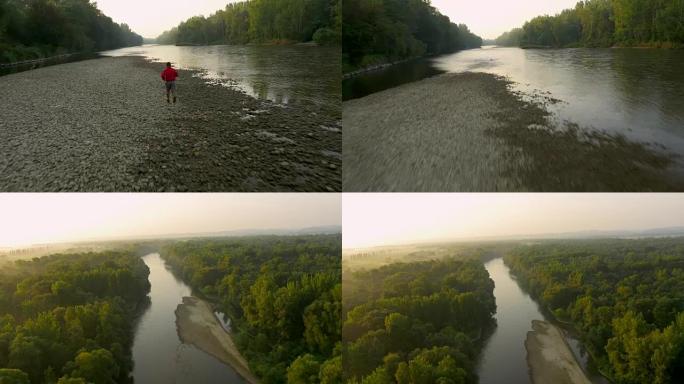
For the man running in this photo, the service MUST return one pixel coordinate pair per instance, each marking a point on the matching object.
(169, 75)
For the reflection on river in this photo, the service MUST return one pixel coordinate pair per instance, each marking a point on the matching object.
(638, 93)
(284, 74)
(504, 357)
(158, 354)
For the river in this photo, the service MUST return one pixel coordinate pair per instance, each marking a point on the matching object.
(638, 93)
(504, 357)
(284, 74)
(159, 355)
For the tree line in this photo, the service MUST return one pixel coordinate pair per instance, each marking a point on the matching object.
(381, 31)
(625, 297)
(417, 322)
(262, 21)
(283, 295)
(605, 23)
(31, 29)
(68, 318)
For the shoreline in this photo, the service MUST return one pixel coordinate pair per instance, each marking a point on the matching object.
(549, 357)
(197, 325)
(470, 132)
(69, 128)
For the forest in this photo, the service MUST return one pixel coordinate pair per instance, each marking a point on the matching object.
(624, 297)
(43, 28)
(383, 31)
(68, 318)
(605, 23)
(262, 21)
(416, 322)
(283, 295)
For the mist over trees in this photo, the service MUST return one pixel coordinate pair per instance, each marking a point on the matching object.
(417, 322)
(381, 31)
(283, 295)
(69, 318)
(262, 21)
(604, 23)
(31, 29)
(625, 297)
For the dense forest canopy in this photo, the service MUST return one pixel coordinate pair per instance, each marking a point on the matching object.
(69, 318)
(626, 298)
(381, 31)
(32, 29)
(283, 295)
(604, 23)
(416, 322)
(262, 21)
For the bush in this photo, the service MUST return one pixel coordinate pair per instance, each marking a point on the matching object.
(326, 36)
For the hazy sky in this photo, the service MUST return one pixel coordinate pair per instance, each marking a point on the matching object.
(150, 18)
(385, 219)
(42, 218)
(490, 18)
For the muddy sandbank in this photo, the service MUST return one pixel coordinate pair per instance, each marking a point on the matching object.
(197, 325)
(549, 357)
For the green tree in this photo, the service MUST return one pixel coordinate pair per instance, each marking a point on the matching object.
(13, 376)
(97, 366)
(304, 370)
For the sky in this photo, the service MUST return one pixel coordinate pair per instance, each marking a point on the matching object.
(490, 18)
(487, 18)
(150, 18)
(48, 218)
(389, 219)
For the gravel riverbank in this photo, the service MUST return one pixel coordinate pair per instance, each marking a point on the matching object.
(470, 132)
(104, 125)
(198, 326)
(550, 358)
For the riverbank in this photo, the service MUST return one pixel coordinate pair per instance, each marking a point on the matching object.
(104, 125)
(470, 132)
(198, 326)
(549, 357)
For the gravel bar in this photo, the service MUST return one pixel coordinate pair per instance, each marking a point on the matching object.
(469, 132)
(550, 358)
(104, 125)
(197, 325)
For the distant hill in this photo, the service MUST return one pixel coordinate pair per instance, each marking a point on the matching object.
(320, 230)
(588, 234)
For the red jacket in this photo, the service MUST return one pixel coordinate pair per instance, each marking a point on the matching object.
(169, 74)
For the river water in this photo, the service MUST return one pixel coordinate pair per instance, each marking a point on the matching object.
(159, 355)
(504, 357)
(638, 93)
(283, 74)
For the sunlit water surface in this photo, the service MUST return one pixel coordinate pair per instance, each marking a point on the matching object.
(638, 93)
(159, 355)
(283, 74)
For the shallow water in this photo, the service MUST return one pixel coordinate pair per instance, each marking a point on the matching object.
(504, 357)
(159, 355)
(283, 74)
(638, 93)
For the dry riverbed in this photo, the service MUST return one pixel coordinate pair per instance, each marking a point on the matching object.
(104, 125)
(470, 132)
(549, 357)
(198, 326)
